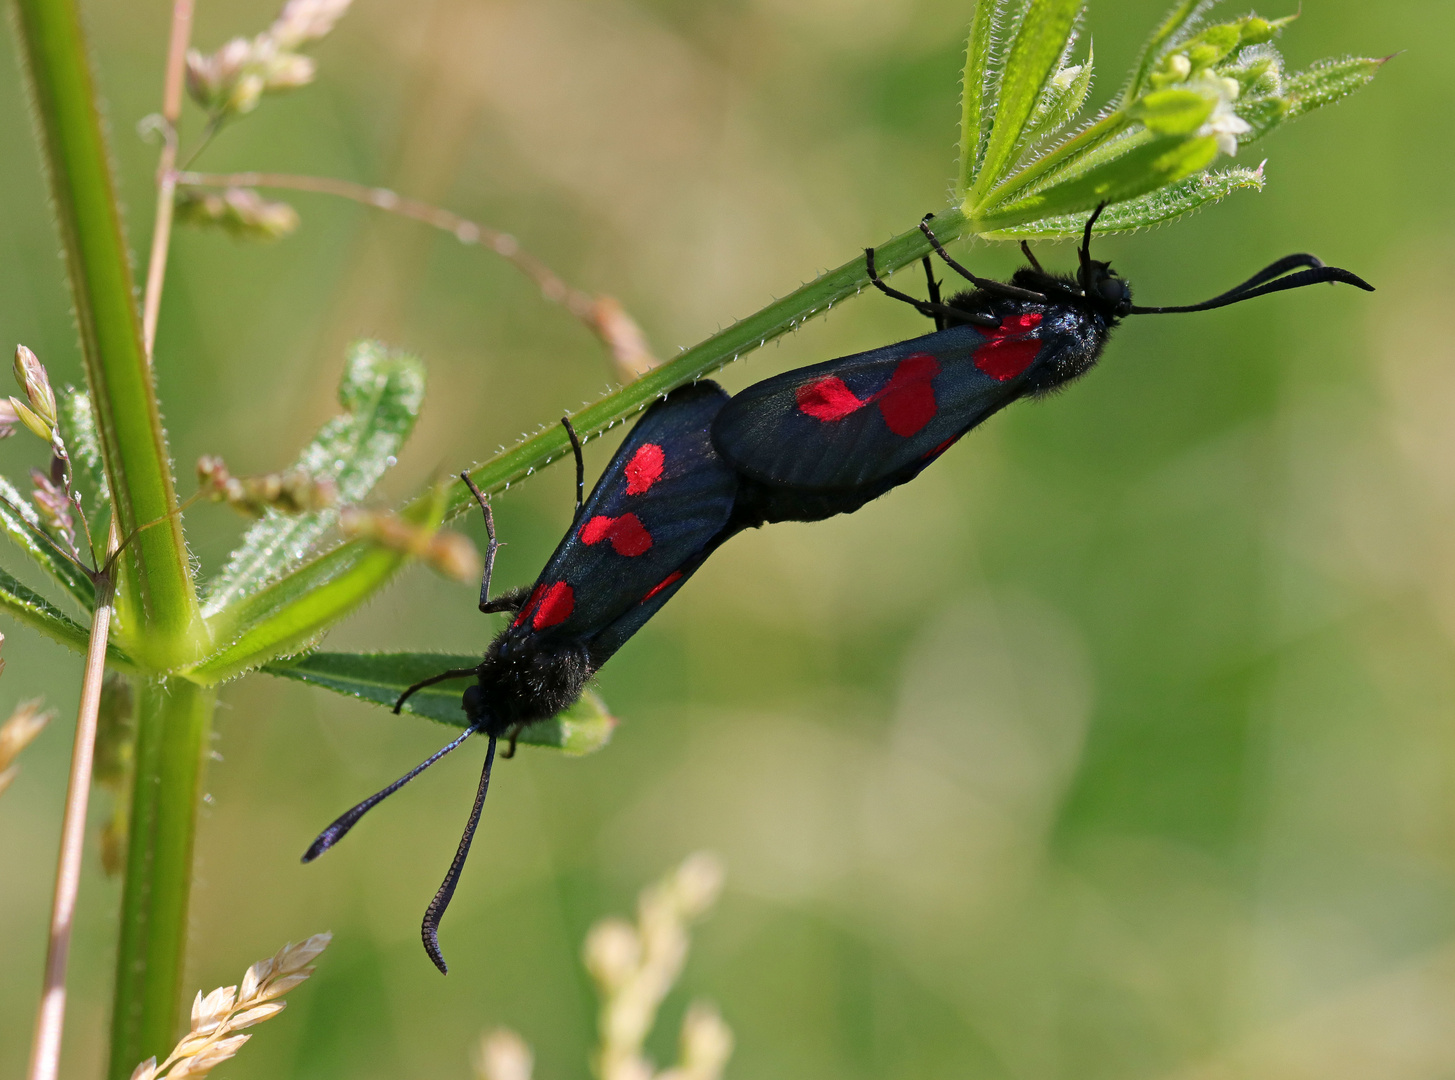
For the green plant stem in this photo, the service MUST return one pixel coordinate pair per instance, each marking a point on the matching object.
(157, 591)
(174, 721)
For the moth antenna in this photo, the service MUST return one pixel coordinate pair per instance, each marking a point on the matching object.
(430, 928)
(1261, 285)
(336, 832)
(453, 673)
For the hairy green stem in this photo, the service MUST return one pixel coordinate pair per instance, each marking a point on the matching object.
(157, 601)
(174, 721)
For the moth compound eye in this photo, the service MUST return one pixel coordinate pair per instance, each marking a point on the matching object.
(1113, 289)
(470, 701)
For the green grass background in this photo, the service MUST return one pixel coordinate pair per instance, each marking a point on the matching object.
(1118, 745)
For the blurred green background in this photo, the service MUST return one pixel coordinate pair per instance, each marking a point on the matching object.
(1117, 745)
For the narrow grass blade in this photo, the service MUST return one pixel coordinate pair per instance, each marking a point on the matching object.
(15, 512)
(382, 392)
(1038, 47)
(382, 677)
(1154, 208)
(35, 611)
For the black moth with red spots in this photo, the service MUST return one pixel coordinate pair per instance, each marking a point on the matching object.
(826, 439)
(661, 507)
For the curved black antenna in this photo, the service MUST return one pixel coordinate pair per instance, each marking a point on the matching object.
(934, 311)
(453, 673)
(1015, 292)
(429, 930)
(336, 832)
(1313, 276)
(1271, 271)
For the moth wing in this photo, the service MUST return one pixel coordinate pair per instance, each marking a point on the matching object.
(852, 422)
(657, 509)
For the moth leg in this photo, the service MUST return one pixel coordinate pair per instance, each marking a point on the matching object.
(933, 311)
(510, 600)
(490, 548)
(1084, 255)
(509, 751)
(1031, 258)
(580, 467)
(933, 287)
(1000, 288)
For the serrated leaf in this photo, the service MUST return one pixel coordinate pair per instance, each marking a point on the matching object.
(382, 391)
(1146, 166)
(1039, 44)
(382, 677)
(31, 609)
(1172, 112)
(1175, 26)
(1062, 99)
(1326, 82)
(78, 426)
(288, 615)
(1154, 208)
(15, 511)
(972, 90)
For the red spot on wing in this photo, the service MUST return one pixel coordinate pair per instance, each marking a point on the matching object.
(907, 401)
(828, 400)
(671, 579)
(937, 451)
(1007, 353)
(626, 534)
(554, 606)
(529, 606)
(644, 469)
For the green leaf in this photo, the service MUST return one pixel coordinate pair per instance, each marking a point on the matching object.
(1145, 167)
(1172, 112)
(78, 426)
(1327, 81)
(1163, 38)
(33, 610)
(15, 511)
(1039, 45)
(972, 90)
(382, 677)
(1153, 208)
(1062, 99)
(287, 616)
(382, 391)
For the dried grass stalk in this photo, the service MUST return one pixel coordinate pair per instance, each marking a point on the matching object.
(229, 1009)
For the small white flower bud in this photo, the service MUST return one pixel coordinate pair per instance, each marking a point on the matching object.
(613, 952)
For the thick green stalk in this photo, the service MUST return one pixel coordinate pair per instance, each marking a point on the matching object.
(157, 591)
(174, 720)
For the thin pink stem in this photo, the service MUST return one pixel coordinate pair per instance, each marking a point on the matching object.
(601, 315)
(45, 1053)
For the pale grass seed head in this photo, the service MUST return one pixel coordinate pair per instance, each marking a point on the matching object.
(503, 1055)
(229, 1009)
(18, 732)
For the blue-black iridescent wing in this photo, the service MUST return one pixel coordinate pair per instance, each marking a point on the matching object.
(661, 505)
(853, 422)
